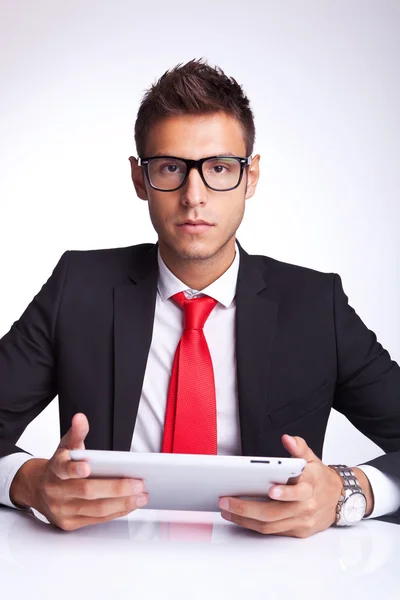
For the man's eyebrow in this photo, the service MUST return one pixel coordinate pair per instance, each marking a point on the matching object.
(218, 154)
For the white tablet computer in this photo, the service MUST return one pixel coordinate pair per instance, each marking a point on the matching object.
(193, 481)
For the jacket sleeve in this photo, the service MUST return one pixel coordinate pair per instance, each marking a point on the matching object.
(368, 386)
(28, 381)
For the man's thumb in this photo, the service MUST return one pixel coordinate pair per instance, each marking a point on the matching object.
(298, 447)
(76, 434)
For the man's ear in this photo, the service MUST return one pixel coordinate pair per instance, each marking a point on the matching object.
(252, 176)
(137, 174)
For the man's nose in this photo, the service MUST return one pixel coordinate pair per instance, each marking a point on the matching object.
(194, 191)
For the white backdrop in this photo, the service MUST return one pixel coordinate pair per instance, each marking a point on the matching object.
(324, 83)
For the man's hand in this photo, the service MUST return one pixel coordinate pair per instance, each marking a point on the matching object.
(59, 490)
(298, 510)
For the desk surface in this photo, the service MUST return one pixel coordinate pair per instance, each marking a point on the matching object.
(189, 556)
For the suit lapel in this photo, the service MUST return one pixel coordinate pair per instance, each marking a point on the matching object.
(256, 318)
(134, 308)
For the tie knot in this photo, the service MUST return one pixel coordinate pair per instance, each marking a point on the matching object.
(196, 310)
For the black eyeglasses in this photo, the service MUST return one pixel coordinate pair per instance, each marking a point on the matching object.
(170, 173)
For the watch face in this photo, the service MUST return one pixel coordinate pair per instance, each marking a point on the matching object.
(354, 508)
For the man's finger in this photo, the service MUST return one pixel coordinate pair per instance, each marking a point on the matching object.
(79, 522)
(76, 434)
(64, 468)
(300, 492)
(273, 528)
(97, 489)
(259, 511)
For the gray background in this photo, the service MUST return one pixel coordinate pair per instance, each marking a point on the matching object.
(323, 80)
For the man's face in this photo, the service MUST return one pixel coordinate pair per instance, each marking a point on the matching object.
(195, 137)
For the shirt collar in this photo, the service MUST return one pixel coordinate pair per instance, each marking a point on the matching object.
(222, 289)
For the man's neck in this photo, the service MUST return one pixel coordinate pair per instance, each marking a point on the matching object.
(198, 274)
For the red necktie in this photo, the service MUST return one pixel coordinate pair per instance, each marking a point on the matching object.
(191, 418)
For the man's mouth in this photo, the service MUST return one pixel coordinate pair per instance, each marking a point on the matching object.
(198, 226)
(195, 222)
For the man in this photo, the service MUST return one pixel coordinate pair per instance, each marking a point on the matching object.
(192, 345)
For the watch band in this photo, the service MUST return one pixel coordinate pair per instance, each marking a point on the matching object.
(350, 486)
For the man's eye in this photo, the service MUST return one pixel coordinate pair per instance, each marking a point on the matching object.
(170, 168)
(217, 169)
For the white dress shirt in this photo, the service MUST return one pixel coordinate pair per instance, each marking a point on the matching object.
(219, 331)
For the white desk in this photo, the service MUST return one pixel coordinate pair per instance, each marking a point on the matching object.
(143, 557)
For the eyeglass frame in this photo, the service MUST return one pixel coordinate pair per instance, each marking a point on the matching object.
(195, 164)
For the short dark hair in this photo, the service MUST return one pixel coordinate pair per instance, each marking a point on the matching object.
(194, 88)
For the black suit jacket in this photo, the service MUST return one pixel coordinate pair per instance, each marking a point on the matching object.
(300, 348)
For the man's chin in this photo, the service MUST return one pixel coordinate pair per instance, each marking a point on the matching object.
(194, 254)
(193, 251)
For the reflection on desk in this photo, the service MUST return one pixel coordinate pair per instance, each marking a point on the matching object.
(185, 555)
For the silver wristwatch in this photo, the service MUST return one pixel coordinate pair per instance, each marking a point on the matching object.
(352, 503)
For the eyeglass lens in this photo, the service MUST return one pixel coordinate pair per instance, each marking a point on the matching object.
(168, 174)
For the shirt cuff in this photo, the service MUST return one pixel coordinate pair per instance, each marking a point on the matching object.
(9, 465)
(386, 491)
